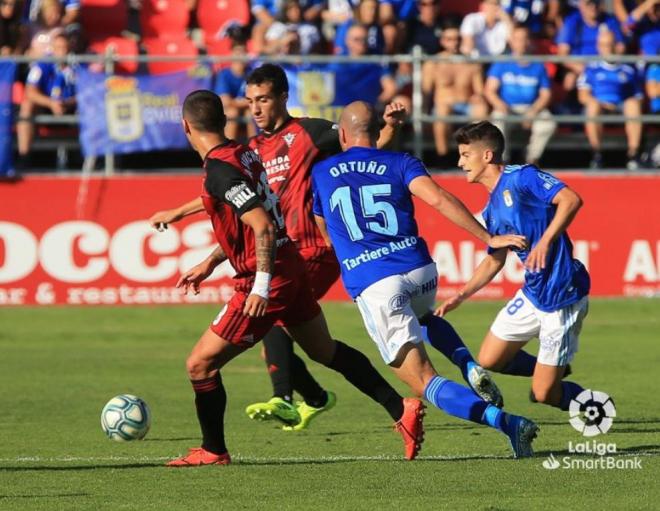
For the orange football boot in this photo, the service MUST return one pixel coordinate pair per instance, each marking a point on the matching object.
(198, 456)
(411, 426)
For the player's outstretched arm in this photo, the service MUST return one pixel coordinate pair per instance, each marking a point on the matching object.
(568, 203)
(161, 219)
(450, 206)
(394, 117)
(320, 222)
(265, 247)
(198, 273)
(484, 273)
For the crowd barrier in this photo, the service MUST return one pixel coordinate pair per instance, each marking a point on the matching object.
(76, 241)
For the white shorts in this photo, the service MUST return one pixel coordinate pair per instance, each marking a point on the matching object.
(391, 307)
(558, 331)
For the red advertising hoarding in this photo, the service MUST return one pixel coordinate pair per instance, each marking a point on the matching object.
(69, 241)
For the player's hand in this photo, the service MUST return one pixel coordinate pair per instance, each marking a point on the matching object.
(255, 306)
(161, 219)
(537, 256)
(508, 240)
(395, 114)
(449, 305)
(195, 276)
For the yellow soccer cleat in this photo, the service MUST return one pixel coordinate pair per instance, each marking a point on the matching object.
(307, 413)
(275, 409)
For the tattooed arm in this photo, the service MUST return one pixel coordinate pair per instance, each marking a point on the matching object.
(265, 247)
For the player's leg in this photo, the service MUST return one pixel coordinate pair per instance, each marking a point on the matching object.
(558, 337)
(229, 335)
(208, 356)
(313, 336)
(394, 327)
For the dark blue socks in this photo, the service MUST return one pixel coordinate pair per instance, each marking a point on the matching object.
(522, 365)
(439, 333)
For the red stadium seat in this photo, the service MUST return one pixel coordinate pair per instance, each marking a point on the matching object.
(164, 18)
(122, 46)
(215, 16)
(102, 18)
(180, 46)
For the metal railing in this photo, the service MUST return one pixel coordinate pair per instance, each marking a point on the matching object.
(416, 59)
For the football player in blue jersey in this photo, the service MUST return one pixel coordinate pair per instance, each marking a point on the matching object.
(363, 206)
(553, 301)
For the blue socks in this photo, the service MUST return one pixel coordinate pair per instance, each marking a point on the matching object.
(568, 391)
(461, 402)
(442, 336)
(521, 365)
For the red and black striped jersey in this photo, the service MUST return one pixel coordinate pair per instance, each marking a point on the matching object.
(288, 155)
(234, 183)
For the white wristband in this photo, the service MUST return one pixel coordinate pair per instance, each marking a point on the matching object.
(261, 285)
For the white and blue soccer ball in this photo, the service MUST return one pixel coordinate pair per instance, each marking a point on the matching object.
(125, 417)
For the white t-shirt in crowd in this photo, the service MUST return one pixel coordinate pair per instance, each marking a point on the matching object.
(487, 40)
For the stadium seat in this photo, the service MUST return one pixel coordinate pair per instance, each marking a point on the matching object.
(179, 46)
(164, 18)
(103, 18)
(122, 46)
(215, 16)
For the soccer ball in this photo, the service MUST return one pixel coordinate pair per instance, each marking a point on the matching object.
(125, 417)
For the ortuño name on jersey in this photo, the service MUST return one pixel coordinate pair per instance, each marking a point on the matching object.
(361, 167)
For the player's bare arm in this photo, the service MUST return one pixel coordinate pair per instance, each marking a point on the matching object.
(484, 273)
(451, 207)
(264, 239)
(192, 278)
(161, 219)
(320, 222)
(394, 117)
(568, 203)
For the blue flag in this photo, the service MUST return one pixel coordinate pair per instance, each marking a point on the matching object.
(138, 113)
(7, 74)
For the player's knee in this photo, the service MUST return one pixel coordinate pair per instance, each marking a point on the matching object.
(197, 368)
(542, 393)
(489, 362)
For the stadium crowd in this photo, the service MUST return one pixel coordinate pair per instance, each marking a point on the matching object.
(360, 27)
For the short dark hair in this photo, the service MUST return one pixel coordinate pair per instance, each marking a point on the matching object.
(482, 131)
(270, 73)
(203, 110)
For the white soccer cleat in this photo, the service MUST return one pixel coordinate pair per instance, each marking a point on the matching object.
(483, 385)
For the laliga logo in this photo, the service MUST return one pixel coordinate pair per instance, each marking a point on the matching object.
(592, 413)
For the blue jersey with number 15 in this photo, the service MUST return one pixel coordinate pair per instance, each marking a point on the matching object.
(364, 198)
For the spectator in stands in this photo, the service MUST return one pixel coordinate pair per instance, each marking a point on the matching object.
(653, 87)
(365, 14)
(424, 30)
(356, 42)
(267, 12)
(643, 23)
(230, 86)
(579, 33)
(48, 27)
(70, 11)
(485, 32)
(292, 20)
(455, 88)
(12, 33)
(522, 88)
(336, 13)
(394, 14)
(527, 12)
(607, 87)
(49, 88)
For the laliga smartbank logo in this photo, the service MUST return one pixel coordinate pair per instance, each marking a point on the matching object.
(592, 413)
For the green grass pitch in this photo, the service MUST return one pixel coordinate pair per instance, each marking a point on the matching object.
(58, 367)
